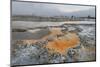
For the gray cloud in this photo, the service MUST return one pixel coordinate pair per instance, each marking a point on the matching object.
(43, 9)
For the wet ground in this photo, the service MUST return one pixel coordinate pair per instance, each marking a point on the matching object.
(61, 44)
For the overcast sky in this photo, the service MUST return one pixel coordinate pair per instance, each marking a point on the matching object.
(44, 9)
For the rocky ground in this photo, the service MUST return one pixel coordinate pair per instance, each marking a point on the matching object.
(62, 44)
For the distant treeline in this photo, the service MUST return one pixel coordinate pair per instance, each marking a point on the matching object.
(53, 19)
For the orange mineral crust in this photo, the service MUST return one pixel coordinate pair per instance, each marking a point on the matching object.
(53, 32)
(61, 44)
